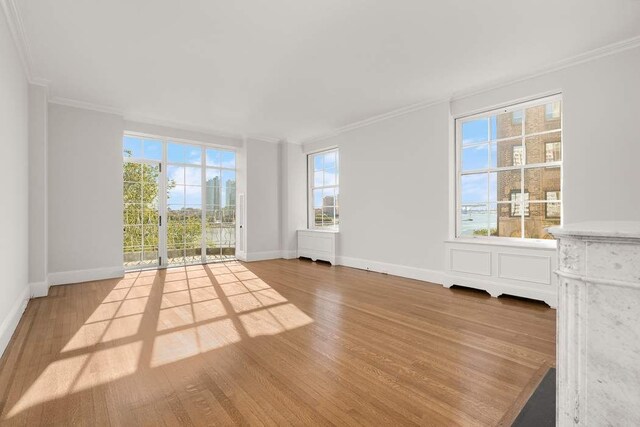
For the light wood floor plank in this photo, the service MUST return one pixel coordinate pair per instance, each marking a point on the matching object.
(272, 343)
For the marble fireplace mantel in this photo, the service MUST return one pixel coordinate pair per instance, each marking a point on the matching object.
(598, 324)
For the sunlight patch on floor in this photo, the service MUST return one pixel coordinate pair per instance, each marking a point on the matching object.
(188, 311)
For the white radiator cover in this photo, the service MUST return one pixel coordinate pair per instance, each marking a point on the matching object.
(317, 245)
(499, 268)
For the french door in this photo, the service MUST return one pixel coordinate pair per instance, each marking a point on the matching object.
(179, 203)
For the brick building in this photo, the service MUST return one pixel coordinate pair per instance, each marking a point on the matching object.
(540, 144)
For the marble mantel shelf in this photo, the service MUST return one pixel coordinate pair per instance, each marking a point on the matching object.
(604, 229)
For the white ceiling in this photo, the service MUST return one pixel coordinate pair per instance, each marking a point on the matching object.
(296, 69)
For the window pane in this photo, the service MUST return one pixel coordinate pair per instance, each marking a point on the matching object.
(537, 221)
(213, 177)
(539, 181)
(228, 178)
(175, 153)
(509, 152)
(474, 220)
(193, 195)
(474, 188)
(509, 124)
(193, 176)
(553, 209)
(213, 157)
(193, 155)
(152, 149)
(542, 118)
(330, 176)
(330, 160)
(475, 131)
(328, 197)
(175, 175)
(229, 159)
(132, 192)
(317, 198)
(506, 183)
(507, 224)
(317, 178)
(176, 195)
(132, 147)
(543, 148)
(318, 162)
(476, 157)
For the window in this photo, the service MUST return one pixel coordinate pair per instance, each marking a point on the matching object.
(552, 151)
(552, 110)
(516, 203)
(324, 190)
(552, 208)
(516, 117)
(509, 171)
(179, 202)
(518, 155)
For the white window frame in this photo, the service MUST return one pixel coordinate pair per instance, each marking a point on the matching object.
(311, 219)
(162, 188)
(457, 141)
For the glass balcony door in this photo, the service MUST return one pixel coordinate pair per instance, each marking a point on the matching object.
(195, 222)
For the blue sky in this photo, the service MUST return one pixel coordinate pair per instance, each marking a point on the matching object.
(188, 179)
(475, 187)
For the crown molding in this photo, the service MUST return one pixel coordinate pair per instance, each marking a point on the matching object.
(572, 61)
(16, 27)
(85, 105)
(373, 119)
(195, 128)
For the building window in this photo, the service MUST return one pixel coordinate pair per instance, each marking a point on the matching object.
(508, 177)
(516, 117)
(552, 110)
(518, 155)
(552, 207)
(552, 151)
(517, 205)
(324, 211)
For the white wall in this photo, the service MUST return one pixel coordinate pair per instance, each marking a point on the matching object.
(85, 194)
(601, 108)
(14, 176)
(407, 159)
(293, 196)
(263, 200)
(393, 191)
(38, 111)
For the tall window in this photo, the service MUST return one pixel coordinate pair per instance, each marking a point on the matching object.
(324, 190)
(509, 171)
(179, 202)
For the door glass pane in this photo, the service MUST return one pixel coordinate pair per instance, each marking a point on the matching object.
(140, 215)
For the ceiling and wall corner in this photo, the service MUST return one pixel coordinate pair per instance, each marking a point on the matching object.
(331, 67)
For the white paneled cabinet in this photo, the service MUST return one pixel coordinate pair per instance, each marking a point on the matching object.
(317, 245)
(513, 269)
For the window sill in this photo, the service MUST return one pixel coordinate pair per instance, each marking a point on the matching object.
(505, 241)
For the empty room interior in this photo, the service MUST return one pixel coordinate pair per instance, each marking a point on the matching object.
(320, 212)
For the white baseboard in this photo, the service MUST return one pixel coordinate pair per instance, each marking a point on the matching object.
(263, 256)
(289, 254)
(39, 289)
(423, 274)
(67, 277)
(10, 322)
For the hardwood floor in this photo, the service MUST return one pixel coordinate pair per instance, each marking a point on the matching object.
(273, 343)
